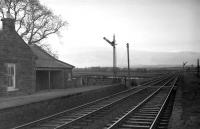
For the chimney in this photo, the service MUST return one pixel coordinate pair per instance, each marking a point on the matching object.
(8, 24)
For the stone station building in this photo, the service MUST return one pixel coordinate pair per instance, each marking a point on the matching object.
(25, 69)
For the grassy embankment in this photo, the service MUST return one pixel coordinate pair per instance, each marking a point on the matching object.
(186, 113)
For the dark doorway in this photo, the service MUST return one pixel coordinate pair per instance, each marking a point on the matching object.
(49, 79)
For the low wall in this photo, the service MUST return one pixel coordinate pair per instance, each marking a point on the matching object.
(88, 81)
(14, 116)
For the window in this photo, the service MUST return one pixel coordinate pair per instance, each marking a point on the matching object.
(11, 76)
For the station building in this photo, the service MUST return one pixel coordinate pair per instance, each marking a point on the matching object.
(25, 69)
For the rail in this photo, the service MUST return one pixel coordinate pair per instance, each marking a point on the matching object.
(116, 124)
(82, 106)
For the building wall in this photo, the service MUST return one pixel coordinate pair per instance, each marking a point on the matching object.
(14, 50)
(68, 82)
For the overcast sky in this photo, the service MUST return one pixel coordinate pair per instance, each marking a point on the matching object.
(148, 25)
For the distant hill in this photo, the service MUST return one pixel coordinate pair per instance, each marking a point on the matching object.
(165, 58)
(137, 58)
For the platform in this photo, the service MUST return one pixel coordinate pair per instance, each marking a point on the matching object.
(15, 111)
(7, 102)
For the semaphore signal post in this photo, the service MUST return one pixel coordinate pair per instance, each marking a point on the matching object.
(113, 44)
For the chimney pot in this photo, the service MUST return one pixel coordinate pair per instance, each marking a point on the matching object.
(8, 24)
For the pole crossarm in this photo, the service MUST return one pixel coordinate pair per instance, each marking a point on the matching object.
(111, 43)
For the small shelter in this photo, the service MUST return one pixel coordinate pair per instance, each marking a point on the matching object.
(51, 73)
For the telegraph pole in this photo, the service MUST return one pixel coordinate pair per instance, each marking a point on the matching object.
(127, 45)
(113, 44)
(198, 67)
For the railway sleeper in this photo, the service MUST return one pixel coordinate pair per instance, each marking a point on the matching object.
(141, 119)
(163, 123)
(75, 127)
(150, 108)
(49, 125)
(138, 122)
(153, 111)
(131, 126)
(162, 127)
(56, 122)
(65, 119)
(145, 114)
(147, 117)
(70, 117)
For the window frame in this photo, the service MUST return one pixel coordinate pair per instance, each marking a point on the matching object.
(9, 66)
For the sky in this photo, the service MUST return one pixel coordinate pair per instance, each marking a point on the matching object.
(149, 26)
(155, 29)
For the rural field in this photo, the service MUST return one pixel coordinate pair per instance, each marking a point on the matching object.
(135, 72)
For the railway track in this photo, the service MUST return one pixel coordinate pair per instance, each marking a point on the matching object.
(90, 115)
(149, 114)
(166, 113)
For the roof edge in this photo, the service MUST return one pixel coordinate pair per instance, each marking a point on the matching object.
(51, 55)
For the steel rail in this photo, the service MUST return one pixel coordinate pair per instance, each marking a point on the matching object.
(81, 106)
(123, 118)
(115, 102)
(154, 124)
(153, 79)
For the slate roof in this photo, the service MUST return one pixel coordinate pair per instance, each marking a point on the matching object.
(44, 60)
(13, 47)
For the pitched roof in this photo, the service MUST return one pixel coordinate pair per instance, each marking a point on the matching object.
(44, 60)
(12, 46)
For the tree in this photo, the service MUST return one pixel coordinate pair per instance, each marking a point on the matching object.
(34, 22)
(47, 48)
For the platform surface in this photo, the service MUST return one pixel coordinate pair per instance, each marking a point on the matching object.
(8, 102)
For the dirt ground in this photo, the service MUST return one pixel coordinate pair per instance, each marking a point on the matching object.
(186, 111)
